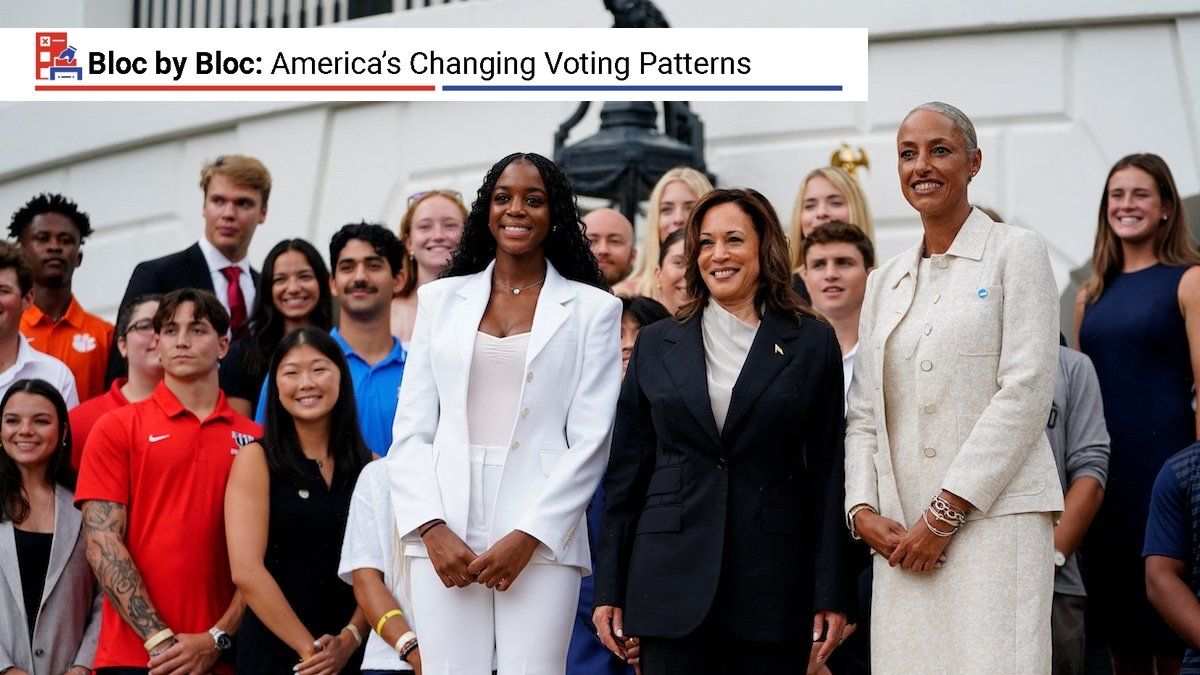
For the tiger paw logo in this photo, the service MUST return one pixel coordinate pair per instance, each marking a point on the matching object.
(55, 58)
(83, 343)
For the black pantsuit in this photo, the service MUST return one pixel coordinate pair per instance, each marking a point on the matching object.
(737, 533)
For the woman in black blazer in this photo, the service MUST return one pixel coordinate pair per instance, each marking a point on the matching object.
(723, 545)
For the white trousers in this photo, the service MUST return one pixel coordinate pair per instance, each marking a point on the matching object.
(526, 629)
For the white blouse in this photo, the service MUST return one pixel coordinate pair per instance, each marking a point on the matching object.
(727, 341)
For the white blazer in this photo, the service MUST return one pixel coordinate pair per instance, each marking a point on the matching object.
(562, 425)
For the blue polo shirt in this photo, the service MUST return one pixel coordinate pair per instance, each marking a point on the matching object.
(1173, 521)
(376, 390)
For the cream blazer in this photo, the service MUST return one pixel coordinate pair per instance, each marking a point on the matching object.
(562, 425)
(68, 623)
(993, 354)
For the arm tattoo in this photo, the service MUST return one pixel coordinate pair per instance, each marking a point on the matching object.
(104, 527)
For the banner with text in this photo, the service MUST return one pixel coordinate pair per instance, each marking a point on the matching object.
(434, 64)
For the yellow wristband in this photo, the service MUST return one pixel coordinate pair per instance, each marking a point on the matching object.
(384, 619)
(158, 638)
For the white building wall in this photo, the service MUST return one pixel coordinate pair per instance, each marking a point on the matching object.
(1058, 91)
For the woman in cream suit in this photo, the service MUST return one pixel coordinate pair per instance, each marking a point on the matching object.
(949, 476)
(49, 608)
(502, 429)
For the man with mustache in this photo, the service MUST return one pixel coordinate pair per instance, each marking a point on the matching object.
(366, 261)
(51, 229)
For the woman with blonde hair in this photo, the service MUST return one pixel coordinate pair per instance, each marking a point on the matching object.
(1136, 319)
(826, 194)
(430, 230)
(671, 201)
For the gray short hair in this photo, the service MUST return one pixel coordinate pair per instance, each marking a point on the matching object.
(962, 123)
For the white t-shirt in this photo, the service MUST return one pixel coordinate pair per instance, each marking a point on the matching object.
(371, 543)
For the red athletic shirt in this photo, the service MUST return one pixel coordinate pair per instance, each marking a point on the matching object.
(84, 417)
(170, 470)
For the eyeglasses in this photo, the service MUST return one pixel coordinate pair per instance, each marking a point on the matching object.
(414, 198)
(145, 327)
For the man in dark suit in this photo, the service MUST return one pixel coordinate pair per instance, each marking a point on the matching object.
(236, 189)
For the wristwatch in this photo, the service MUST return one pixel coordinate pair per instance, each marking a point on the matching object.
(221, 638)
(1059, 558)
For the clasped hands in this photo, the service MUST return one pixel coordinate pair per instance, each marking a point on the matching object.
(498, 567)
(915, 549)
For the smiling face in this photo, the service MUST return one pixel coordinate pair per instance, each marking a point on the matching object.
(519, 216)
(30, 429)
(308, 382)
(821, 203)
(935, 164)
(836, 278)
(232, 213)
(672, 284)
(677, 201)
(294, 287)
(363, 281)
(52, 242)
(436, 229)
(610, 236)
(190, 349)
(728, 255)
(1135, 206)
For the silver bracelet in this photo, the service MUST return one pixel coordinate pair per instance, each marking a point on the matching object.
(946, 512)
(934, 529)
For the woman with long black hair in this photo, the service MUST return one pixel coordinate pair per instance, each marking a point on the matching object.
(285, 514)
(502, 428)
(293, 291)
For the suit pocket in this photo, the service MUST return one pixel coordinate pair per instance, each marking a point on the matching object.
(979, 315)
(661, 519)
(549, 460)
(776, 520)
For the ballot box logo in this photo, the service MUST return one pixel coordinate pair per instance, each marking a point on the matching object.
(55, 57)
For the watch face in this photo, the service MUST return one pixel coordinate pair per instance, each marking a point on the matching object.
(224, 642)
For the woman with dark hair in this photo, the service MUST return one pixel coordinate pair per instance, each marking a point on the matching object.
(430, 231)
(285, 514)
(740, 549)
(669, 276)
(502, 428)
(637, 313)
(1137, 318)
(40, 542)
(293, 291)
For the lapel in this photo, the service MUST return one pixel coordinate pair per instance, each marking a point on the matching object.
(467, 313)
(197, 274)
(898, 291)
(685, 364)
(11, 572)
(67, 522)
(550, 313)
(762, 364)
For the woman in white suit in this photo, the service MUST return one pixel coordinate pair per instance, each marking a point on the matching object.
(502, 429)
(949, 476)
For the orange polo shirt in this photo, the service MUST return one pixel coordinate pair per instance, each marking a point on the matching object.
(78, 339)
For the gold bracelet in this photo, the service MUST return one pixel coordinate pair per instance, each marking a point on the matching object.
(158, 638)
(354, 631)
(384, 619)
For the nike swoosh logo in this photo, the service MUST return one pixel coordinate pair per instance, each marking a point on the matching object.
(155, 439)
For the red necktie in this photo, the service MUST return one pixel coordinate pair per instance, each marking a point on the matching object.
(237, 302)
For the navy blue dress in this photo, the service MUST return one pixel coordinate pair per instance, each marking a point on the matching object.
(1135, 336)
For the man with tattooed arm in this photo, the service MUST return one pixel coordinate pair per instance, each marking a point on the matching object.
(152, 490)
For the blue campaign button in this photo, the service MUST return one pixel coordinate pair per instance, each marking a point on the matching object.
(982, 294)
